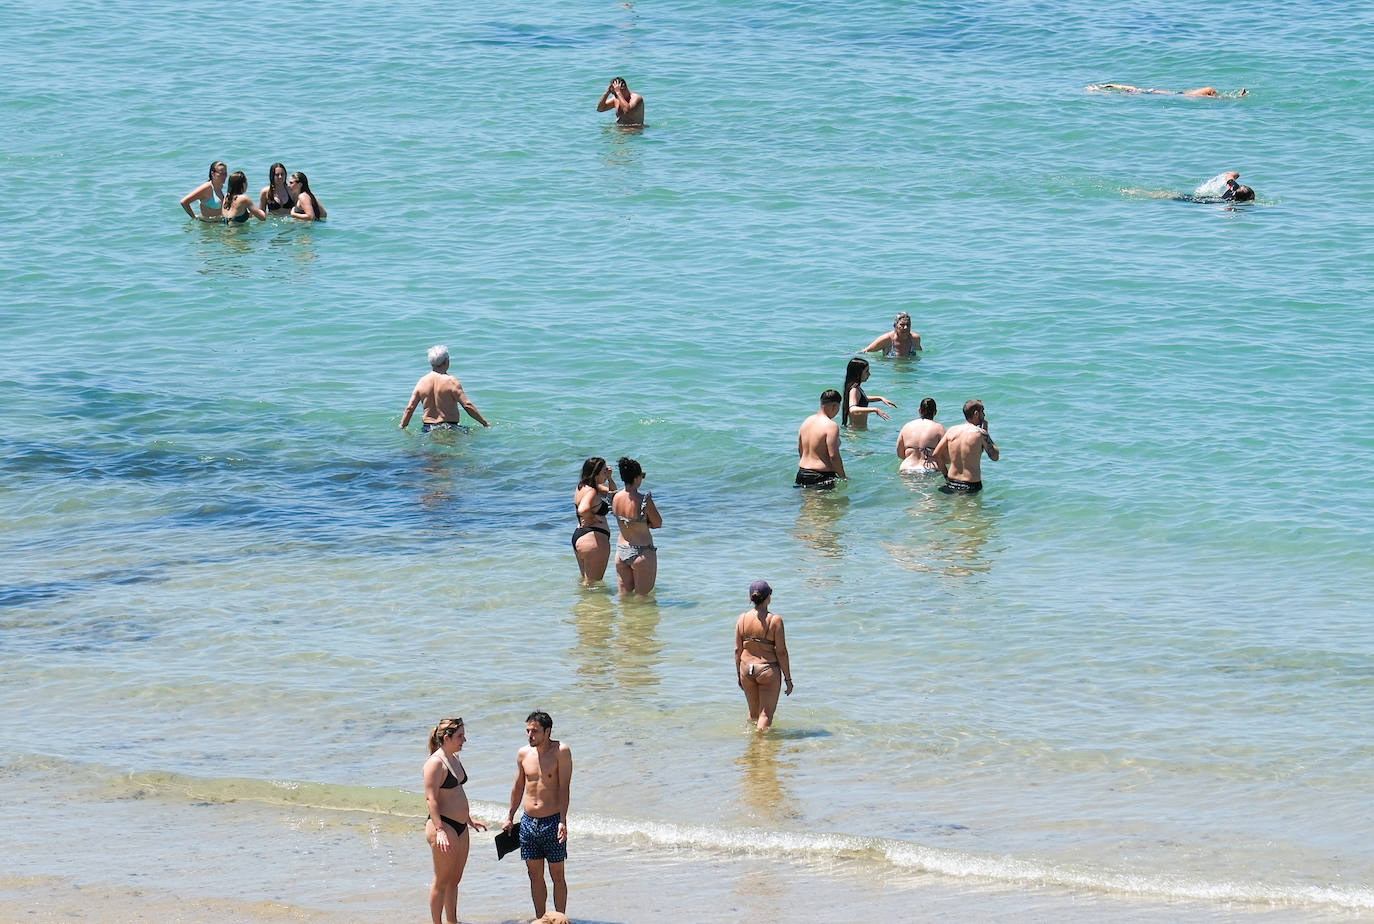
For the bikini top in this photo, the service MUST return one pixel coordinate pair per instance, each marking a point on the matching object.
(274, 206)
(214, 202)
(764, 640)
(863, 398)
(450, 782)
(640, 517)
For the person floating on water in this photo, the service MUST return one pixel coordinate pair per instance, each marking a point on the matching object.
(441, 395)
(628, 106)
(1127, 88)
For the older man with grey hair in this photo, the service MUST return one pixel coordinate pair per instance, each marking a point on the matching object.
(441, 395)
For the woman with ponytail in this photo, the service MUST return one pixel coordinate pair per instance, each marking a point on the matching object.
(449, 816)
(307, 207)
(761, 662)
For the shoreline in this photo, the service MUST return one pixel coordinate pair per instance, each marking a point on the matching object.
(183, 857)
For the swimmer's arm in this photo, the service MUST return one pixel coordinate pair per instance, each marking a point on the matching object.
(901, 444)
(879, 344)
(739, 650)
(651, 515)
(195, 195)
(915, 341)
(517, 790)
(988, 445)
(432, 800)
(941, 454)
(882, 399)
(780, 648)
(471, 408)
(832, 449)
(607, 100)
(410, 408)
(304, 208)
(256, 212)
(564, 788)
(262, 197)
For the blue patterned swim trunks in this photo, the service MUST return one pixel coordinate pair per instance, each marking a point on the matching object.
(539, 839)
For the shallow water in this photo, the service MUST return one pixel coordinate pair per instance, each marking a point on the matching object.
(1134, 672)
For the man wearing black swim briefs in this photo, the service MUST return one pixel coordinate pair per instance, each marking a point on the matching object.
(818, 445)
(960, 451)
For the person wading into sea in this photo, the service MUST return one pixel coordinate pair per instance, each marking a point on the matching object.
(818, 445)
(543, 777)
(960, 451)
(441, 395)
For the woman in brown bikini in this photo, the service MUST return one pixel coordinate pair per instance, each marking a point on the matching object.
(761, 663)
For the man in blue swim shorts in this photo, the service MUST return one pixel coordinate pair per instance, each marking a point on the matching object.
(543, 777)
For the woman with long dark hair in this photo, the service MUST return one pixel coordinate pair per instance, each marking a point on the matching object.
(276, 195)
(591, 540)
(307, 207)
(636, 556)
(855, 410)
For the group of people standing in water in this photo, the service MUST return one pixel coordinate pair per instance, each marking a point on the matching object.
(223, 197)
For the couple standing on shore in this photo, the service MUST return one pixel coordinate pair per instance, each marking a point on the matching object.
(543, 778)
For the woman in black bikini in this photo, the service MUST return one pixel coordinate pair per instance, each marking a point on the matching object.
(856, 408)
(761, 663)
(276, 197)
(449, 816)
(591, 541)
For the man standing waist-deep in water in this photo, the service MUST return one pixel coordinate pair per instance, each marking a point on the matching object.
(818, 445)
(543, 777)
(441, 395)
(960, 451)
(629, 107)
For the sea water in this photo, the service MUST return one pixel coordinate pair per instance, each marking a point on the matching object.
(1134, 677)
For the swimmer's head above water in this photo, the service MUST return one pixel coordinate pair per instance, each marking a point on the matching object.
(438, 357)
(1235, 192)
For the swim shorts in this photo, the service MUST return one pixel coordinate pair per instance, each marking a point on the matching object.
(810, 478)
(955, 486)
(446, 425)
(539, 839)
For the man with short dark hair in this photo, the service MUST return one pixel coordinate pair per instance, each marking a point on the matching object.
(629, 107)
(960, 451)
(543, 777)
(818, 445)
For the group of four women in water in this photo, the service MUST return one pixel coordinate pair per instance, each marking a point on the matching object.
(283, 195)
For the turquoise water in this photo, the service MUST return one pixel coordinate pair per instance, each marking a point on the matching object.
(1134, 676)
